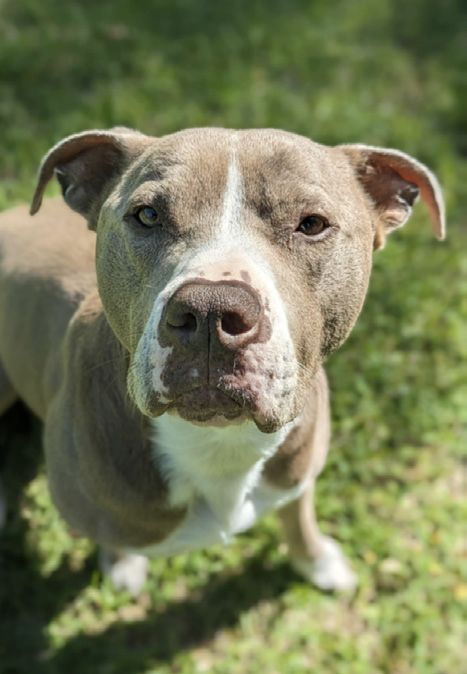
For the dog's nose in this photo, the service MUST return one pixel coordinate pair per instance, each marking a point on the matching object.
(229, 312)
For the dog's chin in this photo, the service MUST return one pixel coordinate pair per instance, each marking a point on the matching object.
(208, 407)
(213, 407)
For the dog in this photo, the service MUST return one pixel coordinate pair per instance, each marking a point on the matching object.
(176, 357)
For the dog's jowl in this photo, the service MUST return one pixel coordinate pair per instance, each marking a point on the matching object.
(168, 319)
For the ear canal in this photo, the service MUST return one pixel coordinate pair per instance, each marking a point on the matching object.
(393, 180)
(85, 164)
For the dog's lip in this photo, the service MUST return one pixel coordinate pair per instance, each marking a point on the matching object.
(214, 406)
(204, 403)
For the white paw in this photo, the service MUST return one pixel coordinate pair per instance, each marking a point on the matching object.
(127, 573)
(329, 571)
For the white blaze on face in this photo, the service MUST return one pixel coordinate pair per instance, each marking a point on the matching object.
(155, 355)
(230, 255)
(231, 218)
(148, 364)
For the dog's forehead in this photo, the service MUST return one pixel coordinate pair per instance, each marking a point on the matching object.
(203, 157)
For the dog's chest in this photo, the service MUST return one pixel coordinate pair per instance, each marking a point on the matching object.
(216, 474)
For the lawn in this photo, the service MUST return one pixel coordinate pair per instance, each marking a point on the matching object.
(391, 73)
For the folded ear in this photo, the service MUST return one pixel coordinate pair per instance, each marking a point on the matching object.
(393, 181)
(86, 165)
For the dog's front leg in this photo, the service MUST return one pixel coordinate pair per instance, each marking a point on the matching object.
(127, 571)
(317, 558)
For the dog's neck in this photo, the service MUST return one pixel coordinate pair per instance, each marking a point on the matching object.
(220, 465)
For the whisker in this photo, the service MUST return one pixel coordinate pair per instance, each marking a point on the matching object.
(101, 364)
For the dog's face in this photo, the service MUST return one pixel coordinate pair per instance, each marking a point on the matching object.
(231, 263)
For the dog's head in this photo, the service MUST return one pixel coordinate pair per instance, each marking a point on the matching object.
(230, 263)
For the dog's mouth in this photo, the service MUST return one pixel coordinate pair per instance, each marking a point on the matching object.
(249, 389)
(207, 406)
(211, 406)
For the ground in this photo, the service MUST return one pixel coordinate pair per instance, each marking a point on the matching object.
(390, 73)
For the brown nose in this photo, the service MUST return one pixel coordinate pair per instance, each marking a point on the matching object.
(229, 312)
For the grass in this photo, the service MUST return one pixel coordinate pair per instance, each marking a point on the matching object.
(388, 73)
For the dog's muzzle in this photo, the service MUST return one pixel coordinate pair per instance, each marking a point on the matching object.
(210, 327)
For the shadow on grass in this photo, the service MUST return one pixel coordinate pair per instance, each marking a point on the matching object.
(126, 648)
(27, 600)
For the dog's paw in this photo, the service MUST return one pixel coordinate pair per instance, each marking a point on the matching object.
(127, 572)
(330, 571)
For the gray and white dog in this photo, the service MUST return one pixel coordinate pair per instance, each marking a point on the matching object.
(176, 357)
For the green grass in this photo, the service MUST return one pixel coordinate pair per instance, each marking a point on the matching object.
(386, 73)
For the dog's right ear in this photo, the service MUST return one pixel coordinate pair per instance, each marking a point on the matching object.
(86, 165)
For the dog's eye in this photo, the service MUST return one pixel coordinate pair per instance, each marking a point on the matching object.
(313, 225)
(147, 216)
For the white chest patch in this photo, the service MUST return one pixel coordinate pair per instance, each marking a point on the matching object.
(216, 474)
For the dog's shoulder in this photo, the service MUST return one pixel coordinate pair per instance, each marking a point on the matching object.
(101, 472)
(304, 450)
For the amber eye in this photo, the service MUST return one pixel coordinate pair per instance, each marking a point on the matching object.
(147, 216)
(313, 225)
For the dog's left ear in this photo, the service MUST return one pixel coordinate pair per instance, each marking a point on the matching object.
(393, 181)
(87, 165)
